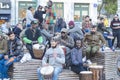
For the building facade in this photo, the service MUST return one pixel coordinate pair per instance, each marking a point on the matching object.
(69, 10)
(5, 10)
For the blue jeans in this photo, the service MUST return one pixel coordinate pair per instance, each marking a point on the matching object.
(108, 40)
(4, 66)
(56, 73)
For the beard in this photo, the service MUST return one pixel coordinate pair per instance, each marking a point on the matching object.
(92, 33)
(54, 46)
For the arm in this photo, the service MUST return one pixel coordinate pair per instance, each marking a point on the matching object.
(40, 39)
(46, 34)
(45, 58)
(61, 59)
(102, 39)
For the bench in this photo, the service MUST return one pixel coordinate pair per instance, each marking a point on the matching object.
(28, 71)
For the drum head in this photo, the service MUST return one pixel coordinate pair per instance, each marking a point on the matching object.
(96, 66)
(86, 72)
(38, 46)
(47, 70)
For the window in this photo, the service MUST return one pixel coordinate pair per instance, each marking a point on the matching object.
(80, 10)
(58, 6)
(23, 6)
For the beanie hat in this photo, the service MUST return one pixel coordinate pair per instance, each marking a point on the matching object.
(71, 23)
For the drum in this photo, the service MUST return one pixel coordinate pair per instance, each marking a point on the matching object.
(86, 75)
(47, 72)
(38, 50)
(97, 71)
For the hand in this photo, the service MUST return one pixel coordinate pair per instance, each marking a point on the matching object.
(6, 57)
(54, 55)
(46, 64)
(63, 41)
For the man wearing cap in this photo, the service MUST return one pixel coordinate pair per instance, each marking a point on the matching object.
(54, 57)
(68, 43)
(32, 35)
(93, 41)
(115, 25)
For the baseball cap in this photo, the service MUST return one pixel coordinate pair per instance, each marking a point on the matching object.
(34, 22)
(64, 30)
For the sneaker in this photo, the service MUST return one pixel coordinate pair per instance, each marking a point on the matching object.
(84, 59)
(6, 79)
(89, 61)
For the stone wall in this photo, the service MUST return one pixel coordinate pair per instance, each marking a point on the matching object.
(112, 59)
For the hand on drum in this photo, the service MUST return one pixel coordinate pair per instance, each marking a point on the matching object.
(34, 42)
(46, 64)
(54, 55)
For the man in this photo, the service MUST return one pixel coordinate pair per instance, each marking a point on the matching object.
(50, 16)
(92, 41)
(55, 57)
(86, 24)
(14, 54)
(68, 43)
(74, 31)
(32, 35)
(39, 14)
(105, 32)
(115, 25)
(29, 16)
(66, 40)
(3, 51)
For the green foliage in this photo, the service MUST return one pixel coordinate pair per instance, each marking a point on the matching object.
(110, 6)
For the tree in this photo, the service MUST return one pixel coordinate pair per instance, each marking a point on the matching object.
(109, 5)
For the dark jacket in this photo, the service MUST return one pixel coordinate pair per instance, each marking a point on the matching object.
(102, 28)
(39, 15)
(115, 23)
(15, 48)
(32, 35)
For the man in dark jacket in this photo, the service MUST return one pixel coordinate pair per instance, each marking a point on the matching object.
(32, 35)
(115, 25)
(39, 14)
(14, 54)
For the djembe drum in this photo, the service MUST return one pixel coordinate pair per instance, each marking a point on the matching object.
(97, 71)
(86, 75)
(38, 50)
(47, 72)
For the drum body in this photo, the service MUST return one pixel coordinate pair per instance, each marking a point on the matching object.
(97, 72)
(86, 75)
(47, 72)
(38, 50)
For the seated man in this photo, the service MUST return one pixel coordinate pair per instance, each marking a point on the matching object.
(76, 54)
(14, 54)
(55, 57)
(75, 31)
(3, 50)
(92, 41)
(32, 35)
(68, 43)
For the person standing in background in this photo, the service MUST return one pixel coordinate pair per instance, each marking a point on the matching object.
(29, 16)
